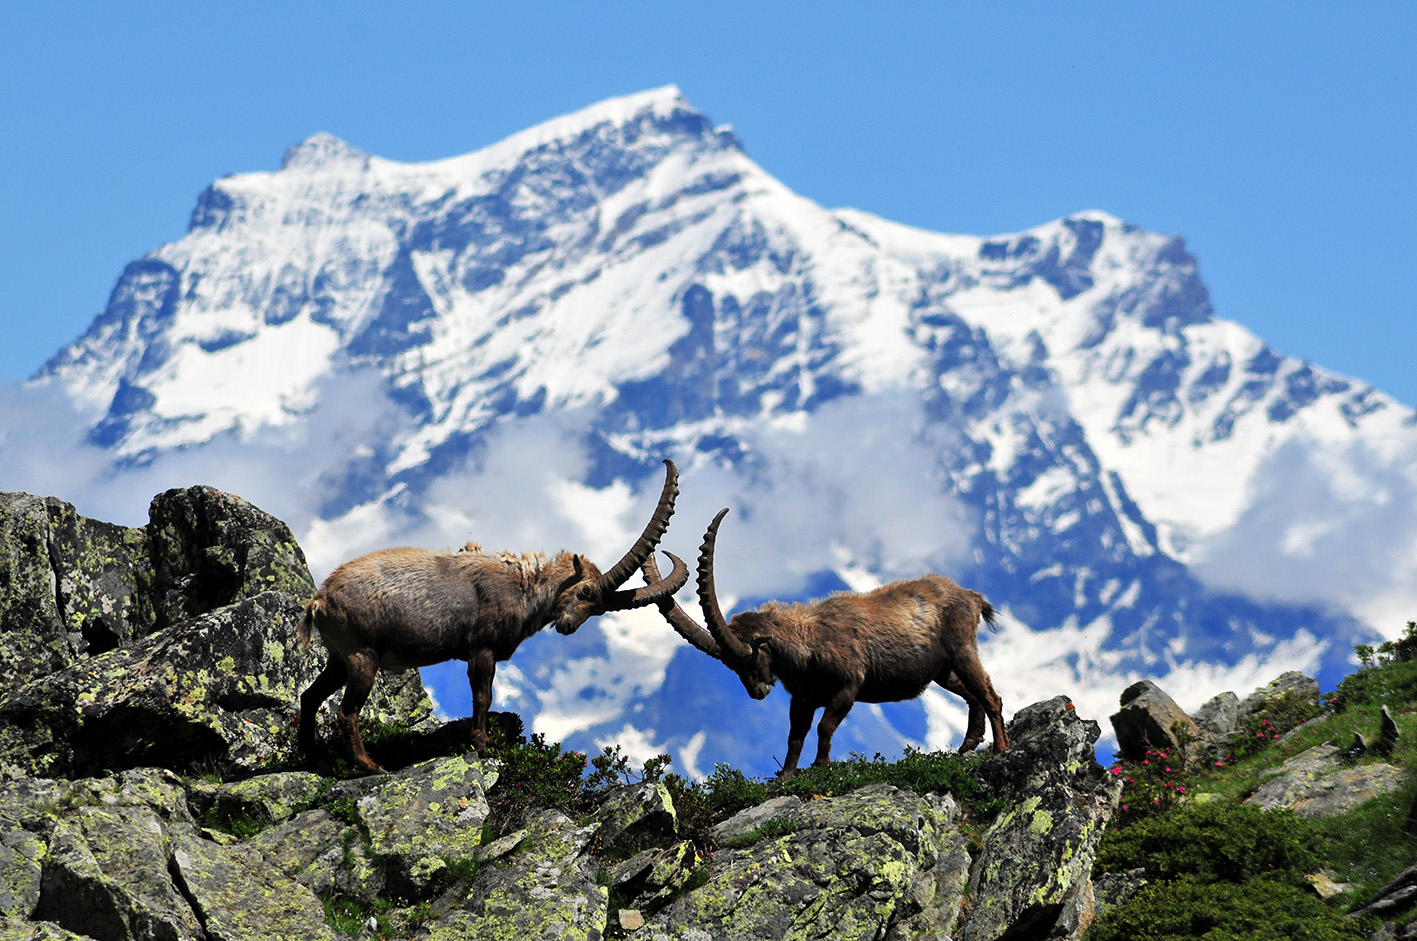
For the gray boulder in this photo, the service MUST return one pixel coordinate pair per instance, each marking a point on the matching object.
(635, 816)
(1319, 782)
(873, 863)
(107, 876)
(237, 896)
(545, 891)
(1150, 719)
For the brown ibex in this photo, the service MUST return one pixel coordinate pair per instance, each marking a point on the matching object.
(397, 609)
(884, 645)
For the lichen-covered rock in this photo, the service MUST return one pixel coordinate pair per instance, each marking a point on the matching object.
(544, 891)
(172, 644)
(237, 896)
(749, 819)
(218, 688)
(73, 587)
(1317, 782)
(14, 929)
(210, 549)
(265, 798)
(107, 876)
(427, 817)
(1219, 715)
(37, 804)
(1032, 872)
(327, 856)
(878, 862)
(1292, 684)
(1149, 719)
(69, 586)
(653, 877)
(632, 817)
(21, 867)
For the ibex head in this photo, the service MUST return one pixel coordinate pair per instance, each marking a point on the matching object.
(742, 644)
(586, 593)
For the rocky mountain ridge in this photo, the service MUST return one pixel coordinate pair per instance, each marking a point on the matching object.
(150, 784)
(152, 789)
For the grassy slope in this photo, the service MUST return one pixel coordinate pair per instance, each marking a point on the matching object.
(1363, 849)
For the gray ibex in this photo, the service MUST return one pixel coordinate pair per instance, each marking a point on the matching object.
(878, 646)
(402, 608)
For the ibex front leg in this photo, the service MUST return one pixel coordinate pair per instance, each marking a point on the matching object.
(836, 710)
(800, 712)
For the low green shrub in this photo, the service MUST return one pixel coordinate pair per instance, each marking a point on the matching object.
(1217, 841)
(919, 771)
(1221, 871)
(1257, 910)
(1387, 684)
(535, 774)
(1278, 717)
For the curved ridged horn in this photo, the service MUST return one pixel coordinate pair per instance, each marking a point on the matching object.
(733, 649)
(685, 626)
(620, 572)
(655, 590)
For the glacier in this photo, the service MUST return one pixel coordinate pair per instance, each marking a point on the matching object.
(502, 346)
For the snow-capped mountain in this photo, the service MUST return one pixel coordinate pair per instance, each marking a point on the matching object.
(503, 346)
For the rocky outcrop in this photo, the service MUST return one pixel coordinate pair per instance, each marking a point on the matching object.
(171, 644)
(1321, 782)
(150, 787)
(145, 853)
(1150, 719)
(122, 857)
(72, 587)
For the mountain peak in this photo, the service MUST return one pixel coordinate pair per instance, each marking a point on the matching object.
(319, 150)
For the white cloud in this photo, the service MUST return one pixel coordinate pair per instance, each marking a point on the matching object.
(1329, 525)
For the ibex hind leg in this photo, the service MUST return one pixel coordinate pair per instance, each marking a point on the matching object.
(974, 732)
(363, 668)
(331, 678)
(971, 675)
(481, 670)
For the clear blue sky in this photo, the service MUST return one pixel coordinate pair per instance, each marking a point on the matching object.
(1279, 139)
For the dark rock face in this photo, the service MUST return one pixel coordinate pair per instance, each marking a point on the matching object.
(168, 645)
(73, 587)
(219, 688)
(210, 549)
(69, 586)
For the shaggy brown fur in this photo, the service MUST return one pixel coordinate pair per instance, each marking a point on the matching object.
(884, 645)
(398, 609)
